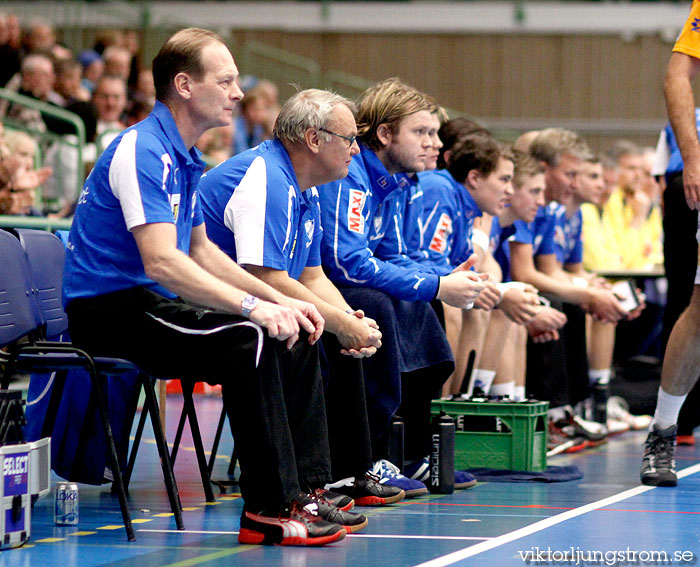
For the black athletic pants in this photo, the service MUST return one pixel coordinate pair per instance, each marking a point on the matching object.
(273, 396)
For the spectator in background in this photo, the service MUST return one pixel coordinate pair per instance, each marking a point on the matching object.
(272, 96)
(18, 178)
(250, 124)
(9, 53)
(109, 99)
(117, 61)
(93, 68)
(67, 86)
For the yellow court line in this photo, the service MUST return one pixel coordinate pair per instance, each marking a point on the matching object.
(140, 521)
(212, 556)
(50, 540)
(210, 503)
(163, 515)
(111, 527)
(81, 533)
(190, 509)
(25, 546)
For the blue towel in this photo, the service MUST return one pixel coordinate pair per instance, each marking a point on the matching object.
(551, 474)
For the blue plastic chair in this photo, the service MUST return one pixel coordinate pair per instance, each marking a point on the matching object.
(30, 306)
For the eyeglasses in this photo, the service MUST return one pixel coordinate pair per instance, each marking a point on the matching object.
(350, 139)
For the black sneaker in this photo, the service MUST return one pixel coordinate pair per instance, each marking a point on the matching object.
(658, 464)
(351, 521)
(366, 491)
(340, 501)
(294, 525)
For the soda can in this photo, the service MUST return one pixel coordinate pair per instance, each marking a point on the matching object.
(66, 505)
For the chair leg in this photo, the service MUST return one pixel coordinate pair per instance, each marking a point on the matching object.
(114, 460)
(59, 383)
(166, 465)
(135, 447)
(181, 424)
(198, 447)
(217, 439)
(234, 460)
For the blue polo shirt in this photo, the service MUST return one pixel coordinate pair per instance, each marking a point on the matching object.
(499, 247)
(145, 176)
(568, 242)
(256, 213)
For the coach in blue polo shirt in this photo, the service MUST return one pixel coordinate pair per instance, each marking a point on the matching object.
(262, 208)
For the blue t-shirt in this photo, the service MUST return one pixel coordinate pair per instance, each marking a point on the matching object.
(568, 243)
(499, 247)
(124, 191)
(539, 233)
(256, 213)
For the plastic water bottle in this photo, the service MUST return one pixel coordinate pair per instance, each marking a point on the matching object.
(396, 442)
(442, 456)
(600, 402)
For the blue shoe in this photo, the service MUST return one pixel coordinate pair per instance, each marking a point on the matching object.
(389, 474)
(420, 470)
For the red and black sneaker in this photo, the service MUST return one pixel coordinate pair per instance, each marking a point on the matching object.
(294, 525)
(340, 501)
(366, 491)
(351, 521)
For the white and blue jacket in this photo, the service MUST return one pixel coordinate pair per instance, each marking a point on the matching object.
(358, 213)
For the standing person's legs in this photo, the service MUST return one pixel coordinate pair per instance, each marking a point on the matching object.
(678, 376)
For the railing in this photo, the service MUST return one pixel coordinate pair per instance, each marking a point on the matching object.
(42, 223)
(75, 142)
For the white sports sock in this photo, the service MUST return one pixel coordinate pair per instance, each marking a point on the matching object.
(483, 379)
(600, 376)
(519, 393)
(502, 389)
(667, 409)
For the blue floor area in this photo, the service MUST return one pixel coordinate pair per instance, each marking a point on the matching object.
(492, 524)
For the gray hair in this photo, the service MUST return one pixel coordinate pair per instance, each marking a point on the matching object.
(552, 143)
(34, 62)
(311, 108)
(623, 148)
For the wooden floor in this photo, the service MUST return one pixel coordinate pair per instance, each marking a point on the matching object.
(606, 518)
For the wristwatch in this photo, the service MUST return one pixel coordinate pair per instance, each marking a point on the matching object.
(248, 304)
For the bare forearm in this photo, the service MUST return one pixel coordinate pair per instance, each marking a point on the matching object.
(216, 262)
(681, 105)
(279, 280)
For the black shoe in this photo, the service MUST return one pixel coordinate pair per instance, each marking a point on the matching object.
(658, 464)
(318, 505)
(294, 525)
(340, 501)
(366, 491)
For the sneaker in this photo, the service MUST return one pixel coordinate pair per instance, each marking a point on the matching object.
(658, 464)
(366, 491)
(293, 525)
(388, 474)
(574, 426)
(615, 426)
(420, 470)
(619, 409)
(563, 440)
(340, 501)
(318, 505)
(688, 440)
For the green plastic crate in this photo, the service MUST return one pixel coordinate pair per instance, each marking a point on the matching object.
(521, 443)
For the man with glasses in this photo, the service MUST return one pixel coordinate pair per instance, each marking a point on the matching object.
(262, 208)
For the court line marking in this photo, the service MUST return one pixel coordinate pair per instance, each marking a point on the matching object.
(377, 536)
(498, 541)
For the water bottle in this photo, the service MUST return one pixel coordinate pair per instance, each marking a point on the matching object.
(396, 442)
(442, 456)
(600, 402)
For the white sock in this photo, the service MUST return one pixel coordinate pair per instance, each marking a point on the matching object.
(502, 389)
(482, 378)
(600, 376)
(667, 409)
(519, 393)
